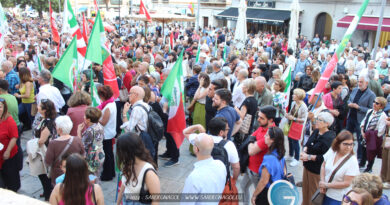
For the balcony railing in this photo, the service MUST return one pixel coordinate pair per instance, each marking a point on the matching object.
(222, 2)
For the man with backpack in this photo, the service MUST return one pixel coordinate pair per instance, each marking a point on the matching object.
(209, 175)
(224, 149)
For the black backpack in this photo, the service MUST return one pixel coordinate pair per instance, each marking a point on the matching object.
(219, 153)
(341, 68)
(155, 125)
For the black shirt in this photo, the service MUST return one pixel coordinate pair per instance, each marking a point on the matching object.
(353, 111)
(251, 108)
(318, 145)
(210, 110)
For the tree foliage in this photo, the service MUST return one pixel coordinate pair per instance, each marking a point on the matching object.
(38, 5)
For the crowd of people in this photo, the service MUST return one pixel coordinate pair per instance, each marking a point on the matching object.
(241, 118)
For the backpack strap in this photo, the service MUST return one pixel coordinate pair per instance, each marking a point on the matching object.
(222, 143)
(147, 113)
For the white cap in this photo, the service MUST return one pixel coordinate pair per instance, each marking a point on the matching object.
(203, 55)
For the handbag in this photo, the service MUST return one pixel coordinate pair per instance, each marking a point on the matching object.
(231, 195)
(144, 195)
(123, 94)
(318, 197)
(295, 130)
(34, 109)
(246, 124)
(60, 156)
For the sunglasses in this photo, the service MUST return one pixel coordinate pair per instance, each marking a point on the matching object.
(44, 100)
(376, 103)
(348, 200)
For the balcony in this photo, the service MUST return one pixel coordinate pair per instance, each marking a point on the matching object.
(213, 2)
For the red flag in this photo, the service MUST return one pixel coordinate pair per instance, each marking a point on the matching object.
(96, 6)
(56, 36)
(171, 41)
(85, 30)
(109, 76)
(143, 10)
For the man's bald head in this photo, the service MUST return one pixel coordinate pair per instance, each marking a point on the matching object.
(260, 83)
(6, 66)
(50, 61)
(136, 93)
(205, 144)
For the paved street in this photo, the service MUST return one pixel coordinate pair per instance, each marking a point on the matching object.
(171, 179)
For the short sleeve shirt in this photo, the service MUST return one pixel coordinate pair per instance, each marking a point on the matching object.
(273, 166)
(230, 115)
(350, 168)
(256, 160)
(8, 131)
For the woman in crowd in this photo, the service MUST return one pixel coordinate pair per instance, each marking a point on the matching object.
(86, 80)
(298, 114)
(9, 171)
(341, 152)
(138, 169)
(92, 139)
(278, 100)
(108, 121)
(200, 98)
(357, 196)
(346, 86)
(21, 63)
(63, 144)
(46, 131)
(335, 104)
(373, 129)
(276, 75)
(273, 166)
(78, 103)
(27, 95)
(316, 146)
(306, 81)
(373, 185)
(76, 188)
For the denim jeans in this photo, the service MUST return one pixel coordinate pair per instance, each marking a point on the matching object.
(293, 147)
(26, 107)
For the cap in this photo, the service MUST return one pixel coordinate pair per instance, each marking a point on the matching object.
(203, 55)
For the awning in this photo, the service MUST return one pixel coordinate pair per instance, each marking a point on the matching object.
(257, 15)
(366, 23)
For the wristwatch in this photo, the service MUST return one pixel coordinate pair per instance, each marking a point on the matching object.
(309, 157)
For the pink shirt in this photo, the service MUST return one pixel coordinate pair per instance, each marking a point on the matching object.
(76, 114)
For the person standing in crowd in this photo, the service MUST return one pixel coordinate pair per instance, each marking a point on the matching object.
(12, 103)
(9, 170)
(372, 184)
(298, 113)
(11, 76)
(78, 103)
(341, 152)
(63, 144)
(360, 101)
(47, 91)
(108, 121)
(316, 146)
(335, 104)
(76, 187)
(92, 138)
(278, 100)
(256, 150)
(373, 129)
(27, 94)
(238, 95)
(221, 101)
(209, 175)
(138, 168)
(46, 131)
(272, 167)
(210, 109)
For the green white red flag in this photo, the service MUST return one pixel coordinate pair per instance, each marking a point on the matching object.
(67, 66)
(173, 91)
(286, 77)
(53, 25)
(98, 52)
(336, 56)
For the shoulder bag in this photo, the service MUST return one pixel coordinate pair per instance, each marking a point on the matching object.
(287, 125)
(144, 195)
(295, 131)
(60, 156)
(246, 124)
(318, 197)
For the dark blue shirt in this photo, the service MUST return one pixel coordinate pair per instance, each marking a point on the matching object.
(230, 114)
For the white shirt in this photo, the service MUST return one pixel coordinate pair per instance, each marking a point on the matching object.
(208, 176)
(135, 190)
(138, 118)
(360, 65)
(323, 51)
(291, 61)
(380, 126)
(50, 92)
(238, 96)
(350, 168)
(110, 127)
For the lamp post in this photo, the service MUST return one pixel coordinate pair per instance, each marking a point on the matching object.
(378, 31)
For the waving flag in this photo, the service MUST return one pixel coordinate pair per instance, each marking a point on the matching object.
(143, 10)
(335, 58)
(173, 90)
(96, 6)
(3, 31)
(98, 52)
(53, 25)
(286, 77)
(85, 29)
(171, 42)
(67, 66)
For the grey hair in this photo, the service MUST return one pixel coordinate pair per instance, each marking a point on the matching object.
(45, 75)
(366, 78)
(370, 61)
(226, 70)
(327, 117)
(243, 72)
(371, 74)
(216, 64)
(64, 123)
(209, 69)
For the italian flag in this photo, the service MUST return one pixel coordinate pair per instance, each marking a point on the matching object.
(173, 91)
(70, 25)
(98, 52)
(336, 56)
(67, 66)
(224, 54)
(286, 77)
(171, 42)
(94, 95)
(198, 52)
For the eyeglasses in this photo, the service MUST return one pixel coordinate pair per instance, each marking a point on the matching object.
(376, 103)
(347, 144)
(257, 73)
(319, 120)
(348, 200)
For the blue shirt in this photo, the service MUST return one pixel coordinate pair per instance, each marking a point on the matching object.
(300, 67)
(274, 167)
(383, 201)
(61, 178)
(230, 114)
(204, 65)
(13, 80)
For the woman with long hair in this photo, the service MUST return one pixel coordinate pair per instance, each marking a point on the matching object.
(138, 169)
(76, 188)
(27, 95)
(272, 167)
(335, 104)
